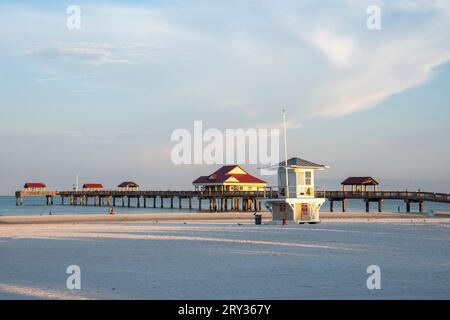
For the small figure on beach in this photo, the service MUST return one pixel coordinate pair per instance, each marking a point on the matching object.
(111, 211)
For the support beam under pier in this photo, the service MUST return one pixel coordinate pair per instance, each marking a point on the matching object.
(421, 206)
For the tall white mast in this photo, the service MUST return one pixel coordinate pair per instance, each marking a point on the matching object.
(285, 154)
(76, 182)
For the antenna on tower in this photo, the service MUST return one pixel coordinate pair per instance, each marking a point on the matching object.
(75, 186)
(285, 153)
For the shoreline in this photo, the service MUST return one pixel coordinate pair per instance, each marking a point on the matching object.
(220, 216)
(140, 217)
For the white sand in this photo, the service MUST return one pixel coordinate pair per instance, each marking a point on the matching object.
(226, 259)
(160, 216)
(215, 216)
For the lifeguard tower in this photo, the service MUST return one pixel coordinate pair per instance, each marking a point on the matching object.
(296, 197)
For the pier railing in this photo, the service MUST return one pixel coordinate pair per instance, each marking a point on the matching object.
(169, 193)
(385, 195)
(267, 193)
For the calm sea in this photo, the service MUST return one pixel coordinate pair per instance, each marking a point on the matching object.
(36, 206)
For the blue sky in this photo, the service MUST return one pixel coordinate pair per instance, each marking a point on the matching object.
(102, 101)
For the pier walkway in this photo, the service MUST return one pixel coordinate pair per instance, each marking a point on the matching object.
(221, 201)
(216, 201)
(380, 196)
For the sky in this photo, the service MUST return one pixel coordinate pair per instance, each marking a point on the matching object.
(102, 101)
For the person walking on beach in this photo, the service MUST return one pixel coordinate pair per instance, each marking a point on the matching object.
(111, 211)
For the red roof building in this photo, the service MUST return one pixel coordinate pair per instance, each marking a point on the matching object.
(35, 185)
(229, 178)
(92, 186)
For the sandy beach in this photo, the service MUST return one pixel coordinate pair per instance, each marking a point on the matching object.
(155, 217)
(227, 258)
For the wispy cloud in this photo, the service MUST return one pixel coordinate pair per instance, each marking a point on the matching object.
(121, 34)
(88, 88)
(340, 51)
(57, 79)
(367, 67)
(91, 53)
(317, 59)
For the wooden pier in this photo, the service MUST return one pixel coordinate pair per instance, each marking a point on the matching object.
(49, 195)
(221, 200)
(213, 201)
(379, 197)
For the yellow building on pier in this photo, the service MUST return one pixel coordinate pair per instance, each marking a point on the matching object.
(229, 178)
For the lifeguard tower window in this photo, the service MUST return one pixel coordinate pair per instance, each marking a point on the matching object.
(308, 178)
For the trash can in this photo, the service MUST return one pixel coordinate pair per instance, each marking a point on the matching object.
(258, 218)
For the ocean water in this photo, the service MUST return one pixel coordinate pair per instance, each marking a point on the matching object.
(37, 206)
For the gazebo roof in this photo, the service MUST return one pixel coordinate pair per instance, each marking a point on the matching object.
(34, 185)
(359, 181)
(130, 184)
(92, 186)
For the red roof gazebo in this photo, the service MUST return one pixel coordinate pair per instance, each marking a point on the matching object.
(360, 183)
(97, 186)
(34, 185)
(128, 185)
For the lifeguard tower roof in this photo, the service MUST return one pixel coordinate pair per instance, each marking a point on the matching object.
(297, 162)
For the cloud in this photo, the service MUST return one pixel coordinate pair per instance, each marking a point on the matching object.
(57, 79)
(109, 34)
(339, 50)
(389, 69)
(319, 60)
(88, 88)
(90, 53)
(367, 67)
